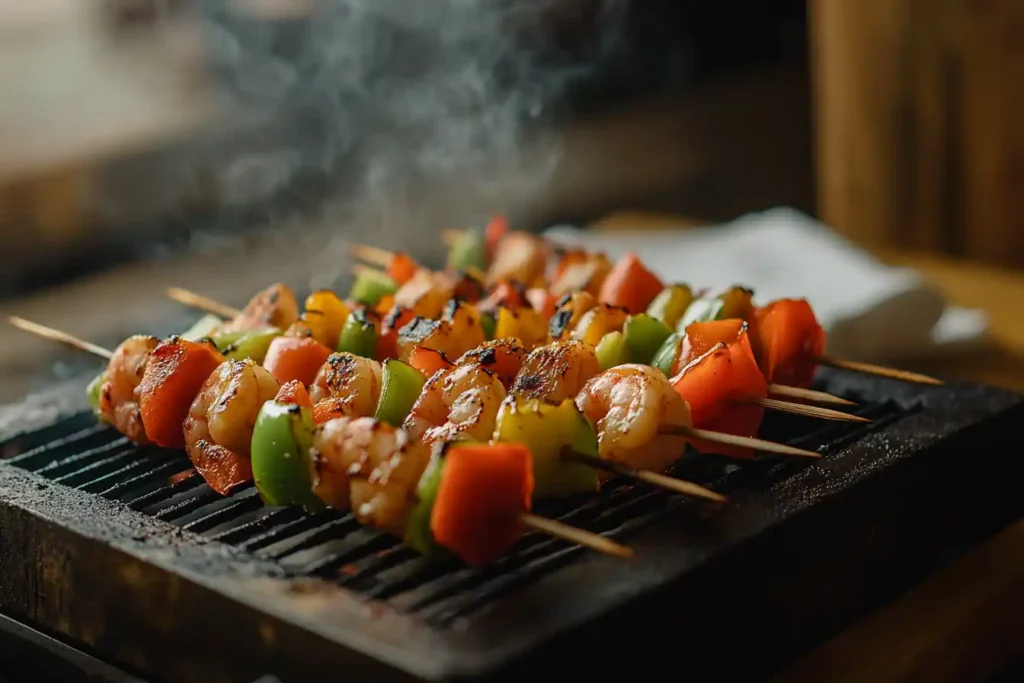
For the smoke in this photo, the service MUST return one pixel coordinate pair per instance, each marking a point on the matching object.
(372, 101)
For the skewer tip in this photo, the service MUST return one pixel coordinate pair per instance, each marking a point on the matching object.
(575, 535)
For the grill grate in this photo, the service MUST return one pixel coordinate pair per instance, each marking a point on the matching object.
(332, 545)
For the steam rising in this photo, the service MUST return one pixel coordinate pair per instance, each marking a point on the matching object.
(384, 105)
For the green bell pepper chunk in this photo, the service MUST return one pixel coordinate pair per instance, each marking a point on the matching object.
(644, 337)
(281, 441)
(550, 431)
(358, 336)
(246, 344)
(701, 311)
(612, 350)
(203, 328)
(469, 251)
(671, 304)
(401, 385)
(371, 286)
(418, 535)
(93, 393)
(668, 353)
(489, 323)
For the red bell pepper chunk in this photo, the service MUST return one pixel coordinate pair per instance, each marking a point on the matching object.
(429, 361)
(789, 340)
(630, 285)
(387, 340)
(702, 337)
(716, 386)
(505, 294)
(174, 374)
(542, 301)
(484, 489)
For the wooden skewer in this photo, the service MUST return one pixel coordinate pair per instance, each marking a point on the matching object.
(575, 535)
(375, 255)
(686, 488)
(805, 410)
(880, 371)
(807, 395)
(450, 237)
(542, 524)
(740, 441)
(63, 337)
(201, 302)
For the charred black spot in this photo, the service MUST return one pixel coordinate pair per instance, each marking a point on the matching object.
(419, 328)
(451, 307)
(392, 317)
(486, 356)
(565, 298)
(527, 383)
(559, 321)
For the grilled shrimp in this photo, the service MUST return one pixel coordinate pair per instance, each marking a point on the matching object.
(629, 404)
(504, 357)
(350, 383)
(521, 257)
(455, 334)
(119, 401)
(425, 294)
(219, 425)
(556, 371)
(460, 403)
(570, 309)
(369, 466)
(275, 306)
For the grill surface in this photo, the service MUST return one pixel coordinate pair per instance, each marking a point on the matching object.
(288, 575)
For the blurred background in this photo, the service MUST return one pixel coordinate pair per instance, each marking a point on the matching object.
(143, 133)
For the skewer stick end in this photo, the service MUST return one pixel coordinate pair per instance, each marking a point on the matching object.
(572, 534)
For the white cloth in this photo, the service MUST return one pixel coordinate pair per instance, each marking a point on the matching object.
(872, 312)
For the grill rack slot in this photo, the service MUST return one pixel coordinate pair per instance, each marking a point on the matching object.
(332, 545)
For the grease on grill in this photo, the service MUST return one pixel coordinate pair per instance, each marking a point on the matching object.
(331, 545)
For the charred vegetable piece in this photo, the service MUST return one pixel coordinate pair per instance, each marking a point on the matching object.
(716, 385)
(204, 327)
(644, 337)
(175, 372)
(612, 350)
(550, 431)
(401, 385)
(370, 286)
(469, 251)
(671, 304)
(241, 345)
(418, 535)
(484, 489)
(666, 356)
(736, 302)
(280, 455)
(359, 335)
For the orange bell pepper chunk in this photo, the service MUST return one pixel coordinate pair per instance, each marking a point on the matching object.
(702, 337)
(429, 361)
(715, 385)
(295, 358)
(294, 393)
(220, 467)
(789, 339)
(173, 377)
(630, 285)
(483, 490)
(325, 410)
(402, 268)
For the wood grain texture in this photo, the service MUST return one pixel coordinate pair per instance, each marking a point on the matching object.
(918, 107)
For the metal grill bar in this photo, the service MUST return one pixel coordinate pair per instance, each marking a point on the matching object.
(333, 546)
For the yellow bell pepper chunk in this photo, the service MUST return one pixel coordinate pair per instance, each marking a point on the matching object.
(324, 317)
(599, 321)
(525, 324)
(671, 304)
